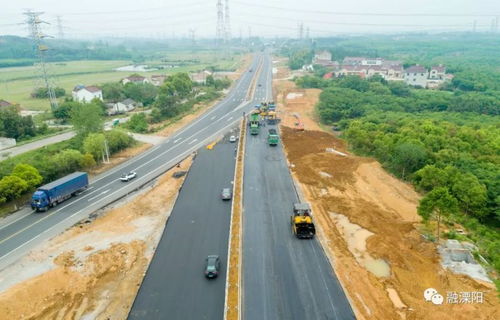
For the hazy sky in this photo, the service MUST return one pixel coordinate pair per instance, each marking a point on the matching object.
(167, 18)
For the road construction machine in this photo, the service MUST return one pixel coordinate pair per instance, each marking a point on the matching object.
(302, 221)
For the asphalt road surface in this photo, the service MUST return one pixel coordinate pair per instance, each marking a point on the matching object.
(175, 286)
(283, 277)
(21, 231)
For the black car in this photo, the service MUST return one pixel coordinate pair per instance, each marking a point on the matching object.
(226, 194)
(212, 266)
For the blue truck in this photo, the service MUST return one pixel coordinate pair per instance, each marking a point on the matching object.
(53, 193)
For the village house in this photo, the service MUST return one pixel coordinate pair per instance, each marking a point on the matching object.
(416, 76)
(136, 79)
(122, 106)
(437, 72)
(200, 77)
(324, 58)
(157, 80)
(85, 94)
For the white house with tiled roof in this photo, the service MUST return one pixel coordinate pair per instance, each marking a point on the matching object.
(85, 94)
(416, 76)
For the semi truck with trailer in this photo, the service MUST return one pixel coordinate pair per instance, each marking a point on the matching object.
(51, 194)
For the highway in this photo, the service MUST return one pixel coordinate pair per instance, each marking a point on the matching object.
(283, 277)
(174, 286)
(23, 230)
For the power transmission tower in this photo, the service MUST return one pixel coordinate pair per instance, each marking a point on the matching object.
(220, 23)
(60, 31)
(192, 36)
(301, 30)
(307, 33)
(227, 24)
(474, 26)
(34, 23)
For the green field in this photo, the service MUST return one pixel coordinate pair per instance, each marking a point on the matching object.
(17, 83)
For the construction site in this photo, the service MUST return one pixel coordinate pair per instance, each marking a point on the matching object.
(367, 222)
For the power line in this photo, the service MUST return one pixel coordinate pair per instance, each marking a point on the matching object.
(339, 13)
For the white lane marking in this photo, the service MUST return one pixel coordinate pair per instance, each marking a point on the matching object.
(100, 194)
(213, 117)
(229, 119)
(193, 141)
(176, 140)
(16, 220)
(143, 155)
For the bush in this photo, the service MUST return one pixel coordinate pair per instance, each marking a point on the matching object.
(118, 140)
(94, 144)
(11, 187)
(68, 160)
(87, 161)
(138, 123)
(28, 173)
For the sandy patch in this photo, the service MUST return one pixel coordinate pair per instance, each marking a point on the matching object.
(94, 269)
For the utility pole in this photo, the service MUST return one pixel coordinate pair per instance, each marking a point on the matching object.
(34, 23)
(220, 23)
(60, 31)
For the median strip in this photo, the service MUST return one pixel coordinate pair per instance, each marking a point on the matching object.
(233, 305)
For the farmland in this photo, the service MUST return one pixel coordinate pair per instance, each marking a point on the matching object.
(17, 83)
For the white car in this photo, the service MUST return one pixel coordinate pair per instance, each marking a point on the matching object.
(128, 176)
(232, 139)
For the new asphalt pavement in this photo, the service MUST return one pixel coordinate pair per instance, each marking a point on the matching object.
(283, 277)
(175, 286)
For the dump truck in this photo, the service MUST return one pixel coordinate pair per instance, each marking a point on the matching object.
(254, 124)
(51, 194)
(272, 118)
(272, 137)
(302, 221)
(263, 109)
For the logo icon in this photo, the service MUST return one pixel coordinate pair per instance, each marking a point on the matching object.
(431, 294)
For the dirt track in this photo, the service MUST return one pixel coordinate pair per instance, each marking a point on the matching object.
(368, 225)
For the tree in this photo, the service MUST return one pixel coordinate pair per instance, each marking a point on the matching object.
(471, 194)
(86, 118)
(12, 125)
(142, 92)
(138, 123)
(68, 160)
(408, 158)
(11, 187)
(113, 91)
(28, 173)
(87, 161)
(63, 111)
(94, 144)
(118, 140)
(399, 89)
(437, 202)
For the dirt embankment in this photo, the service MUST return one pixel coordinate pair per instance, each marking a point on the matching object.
(368, 225)
(93, 270)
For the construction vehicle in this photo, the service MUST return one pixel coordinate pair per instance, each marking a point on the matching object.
(272, 137)
(271, 106)
(254, 124)
(272, 118)
(263, 109)
(302, 221)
